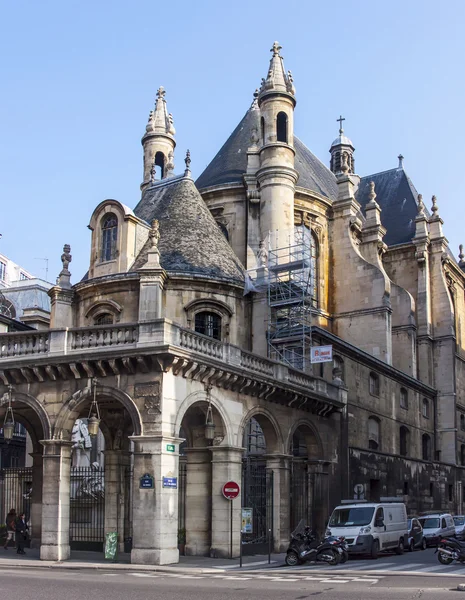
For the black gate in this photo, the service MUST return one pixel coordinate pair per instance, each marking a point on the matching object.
(257, 494)
(87, 508)
(15, 492)
(299, 496)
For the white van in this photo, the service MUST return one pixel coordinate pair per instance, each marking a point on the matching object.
(371, 527)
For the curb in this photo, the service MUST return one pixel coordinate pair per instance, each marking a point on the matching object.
(76, 566)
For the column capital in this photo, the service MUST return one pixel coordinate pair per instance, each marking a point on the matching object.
(56, 447)
(226, 453)
(153, 444)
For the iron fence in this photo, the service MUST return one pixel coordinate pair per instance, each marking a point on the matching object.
(257, 494)
(87, 508)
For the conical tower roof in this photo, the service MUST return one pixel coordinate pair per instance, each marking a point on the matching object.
(191, 242)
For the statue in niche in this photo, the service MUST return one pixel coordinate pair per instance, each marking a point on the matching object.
(82, 444)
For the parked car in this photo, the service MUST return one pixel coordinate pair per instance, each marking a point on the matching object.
(436, 526)
(459, 522)
(416, 538)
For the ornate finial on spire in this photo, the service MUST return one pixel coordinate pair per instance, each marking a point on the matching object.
(63, 279)
(255, 99)
(372, 193)
(401, 161)
(154, 234)
(276, 48)
(340, 120)
(187, 160)
(66, 257)
(161, 92)
(434, 208)
(421, 206)
(461, 254)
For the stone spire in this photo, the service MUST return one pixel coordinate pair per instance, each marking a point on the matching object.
(340, 148)
(187, 160)
(158, 141)
(277, 80)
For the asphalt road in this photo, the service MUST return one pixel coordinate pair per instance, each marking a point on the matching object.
(49, 584)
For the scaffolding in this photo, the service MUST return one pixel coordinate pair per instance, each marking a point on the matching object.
(291, 296)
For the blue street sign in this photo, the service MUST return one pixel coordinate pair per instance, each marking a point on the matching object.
(146, 482)
(170, 482)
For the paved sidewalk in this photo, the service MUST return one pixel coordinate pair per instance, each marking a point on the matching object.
(96, 560)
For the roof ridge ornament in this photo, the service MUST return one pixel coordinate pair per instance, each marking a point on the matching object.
(254, 104)
(434, 207)
(461, 254)
(372, 193)
(401, 161)
(187, 160)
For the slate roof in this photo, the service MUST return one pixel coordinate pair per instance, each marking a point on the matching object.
(397, 197)
(229, 165)
(191, 242)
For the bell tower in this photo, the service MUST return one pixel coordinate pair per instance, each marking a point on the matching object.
(342, 149)
(158, 142)
(276, 175)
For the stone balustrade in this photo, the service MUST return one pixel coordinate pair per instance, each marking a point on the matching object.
(81, 343)
(24, 344)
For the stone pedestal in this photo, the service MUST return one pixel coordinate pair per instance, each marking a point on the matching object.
(198, 501)
(226, 466)
(35, 516)
(55, 500)
(154, 511)
(279, 464)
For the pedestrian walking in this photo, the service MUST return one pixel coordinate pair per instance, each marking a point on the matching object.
(21, 533)
(10, 523)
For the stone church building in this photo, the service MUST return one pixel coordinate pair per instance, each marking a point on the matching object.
(188, 344)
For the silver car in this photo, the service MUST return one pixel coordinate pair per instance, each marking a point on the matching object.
(459, 522)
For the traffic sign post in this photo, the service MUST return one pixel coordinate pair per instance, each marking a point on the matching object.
(231, 490)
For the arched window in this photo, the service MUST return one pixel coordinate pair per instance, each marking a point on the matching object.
(159, 165)
(307, 240)
(109, 237)
(262, 129)
(462, 455)
(373, 433)
(426, 447)
(462, 422)
(281, 127)
(374, 384)
(404, 441)
(104, 319)
(7, 308)
(403, 398)
(425, 408)
(208, 323)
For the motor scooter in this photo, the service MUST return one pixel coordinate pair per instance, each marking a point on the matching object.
(305, 546)
(450, 549)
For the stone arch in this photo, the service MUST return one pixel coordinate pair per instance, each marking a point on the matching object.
(39, 411)
(199, 397)
(311, 436)
(70, 410)
(270, 428)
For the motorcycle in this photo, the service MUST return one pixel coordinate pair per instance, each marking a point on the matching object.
(339, 542)
(450, 549)
(305, 546)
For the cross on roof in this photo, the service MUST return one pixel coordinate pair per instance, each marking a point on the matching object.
(341, 118)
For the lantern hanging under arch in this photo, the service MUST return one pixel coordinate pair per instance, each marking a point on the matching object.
(93, 422)
(9, 421)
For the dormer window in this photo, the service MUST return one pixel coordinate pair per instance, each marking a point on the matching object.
(208, 323)
(109, 237)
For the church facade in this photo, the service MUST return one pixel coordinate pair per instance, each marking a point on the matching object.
(188, 344)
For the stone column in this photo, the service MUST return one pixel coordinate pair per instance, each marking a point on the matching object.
(154, 511)
(113, 495)
(279, 465)
(55, 500)
(36, 499)
(226, 466)
(198, 501)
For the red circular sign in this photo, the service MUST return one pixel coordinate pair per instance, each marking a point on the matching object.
(231, 490)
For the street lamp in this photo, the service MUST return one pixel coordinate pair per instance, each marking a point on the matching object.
(93, 422)
(9, 421)
(209, 423)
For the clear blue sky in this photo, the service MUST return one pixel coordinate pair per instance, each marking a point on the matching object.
(78, 79)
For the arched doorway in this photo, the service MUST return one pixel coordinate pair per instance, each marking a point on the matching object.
(21, 460)
(259, 441)
(200, 503)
